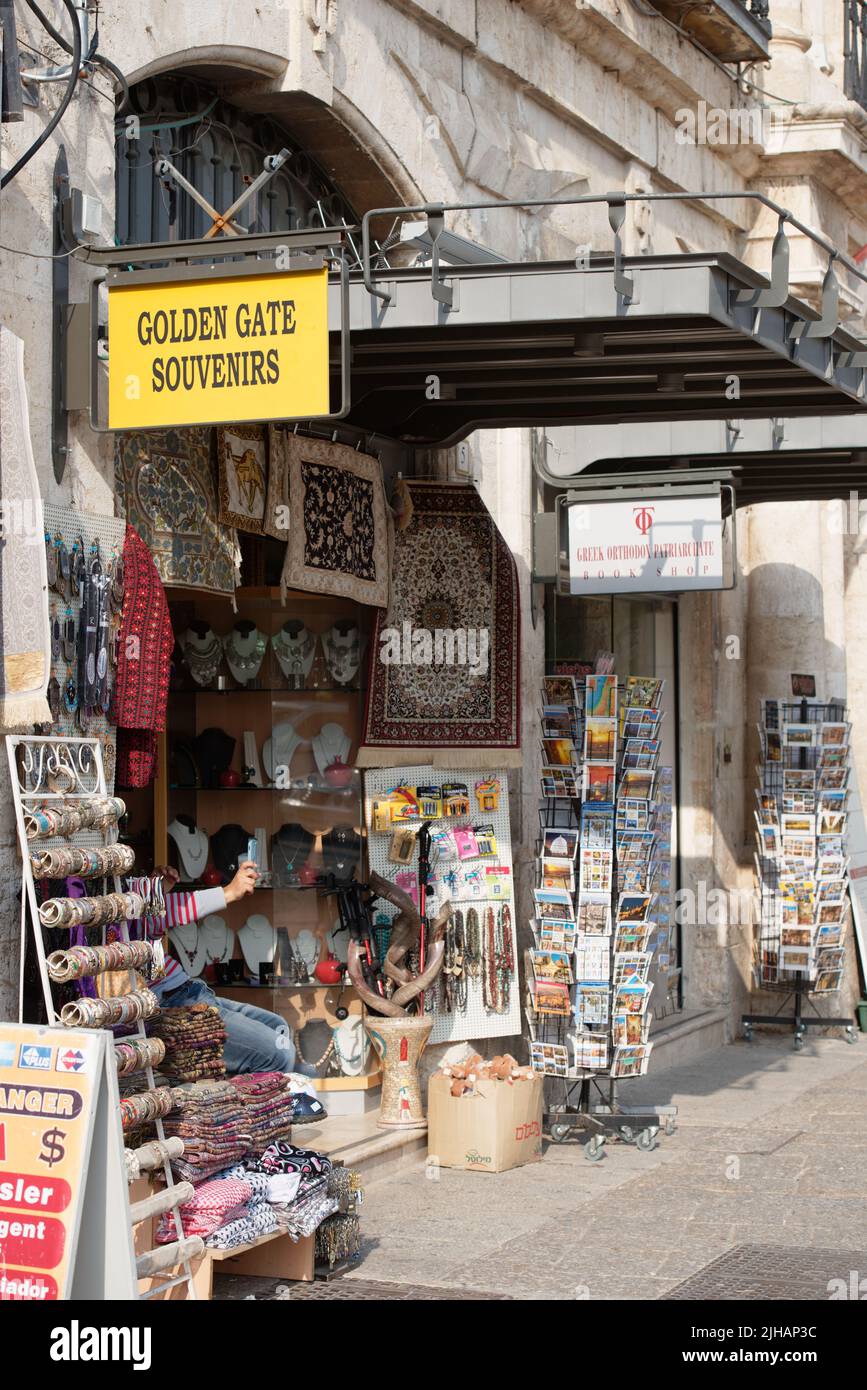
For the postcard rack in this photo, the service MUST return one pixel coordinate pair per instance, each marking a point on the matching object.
(603, 862)
(63, 774)
(801, 863)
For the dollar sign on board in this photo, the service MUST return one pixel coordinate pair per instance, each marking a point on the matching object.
(52, 1148)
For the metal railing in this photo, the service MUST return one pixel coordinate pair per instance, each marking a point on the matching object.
(855, 50)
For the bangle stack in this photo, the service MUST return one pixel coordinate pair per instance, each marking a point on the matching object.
(107, 1013)
(79, 961)
(145, 1106)
(64, 819)
(91, 912)
(85, 863)
(135, 1054)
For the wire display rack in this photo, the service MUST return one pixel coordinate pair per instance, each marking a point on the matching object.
(801, 865)
(578, 1050)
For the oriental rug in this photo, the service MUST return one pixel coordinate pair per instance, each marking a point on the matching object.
(166, 487)
(340, 532)
(444, 663)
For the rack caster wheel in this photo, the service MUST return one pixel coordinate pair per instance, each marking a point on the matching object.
(748, 1032)
(341, 1013)
(627, 1134)
(671, 1127)
(646, 1140)
(559, 1133)
(851, 1035)
(799, 1042)
(594, 1149)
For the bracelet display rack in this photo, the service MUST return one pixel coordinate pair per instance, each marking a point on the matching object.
(65, 773)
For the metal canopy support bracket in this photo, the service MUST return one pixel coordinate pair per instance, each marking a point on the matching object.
(442, 293)
(624, 284)
(775, 296)
(827, 324)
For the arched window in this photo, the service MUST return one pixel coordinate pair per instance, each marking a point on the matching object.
(219, 149)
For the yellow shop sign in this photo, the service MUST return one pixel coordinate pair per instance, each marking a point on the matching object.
(199, 352)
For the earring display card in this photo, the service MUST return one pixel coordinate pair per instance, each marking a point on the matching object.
(480, 885)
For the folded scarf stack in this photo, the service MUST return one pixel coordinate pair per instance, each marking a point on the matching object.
(194, 1036)
(209, 1118)
(216, 1202)
(267, 1106)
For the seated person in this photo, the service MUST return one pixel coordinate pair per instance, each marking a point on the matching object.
(256, 1040)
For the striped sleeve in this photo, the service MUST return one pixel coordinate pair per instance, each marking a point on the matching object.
(182, 908)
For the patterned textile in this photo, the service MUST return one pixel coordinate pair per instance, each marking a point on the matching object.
(209, 1119)
(260, 1220)
(343, 544)
(242, 473)
(312, 1206)
(452, 572)
(165, 483)
(283, 1157)
(194, 1036)
(215, 1203)
(266, 1102)
(25, 659)
(143, 664)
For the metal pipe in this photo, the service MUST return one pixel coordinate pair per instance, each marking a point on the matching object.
(60, 74)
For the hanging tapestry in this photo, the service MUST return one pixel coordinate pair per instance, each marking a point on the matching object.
(144, 660)
(26, 653)
(339, 538)
(444, 665)
(276, 520)
(165, 484)
(242, 470)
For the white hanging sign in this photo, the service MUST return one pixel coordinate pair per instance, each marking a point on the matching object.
(650, 545)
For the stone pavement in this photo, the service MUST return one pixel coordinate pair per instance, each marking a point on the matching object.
(771, 1150)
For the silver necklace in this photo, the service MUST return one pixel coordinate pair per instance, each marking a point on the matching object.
(245, 654)
(342, 654)
(294, 654)
(203, 656)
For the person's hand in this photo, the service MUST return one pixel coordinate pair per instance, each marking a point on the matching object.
(168, 875)
(243, 883)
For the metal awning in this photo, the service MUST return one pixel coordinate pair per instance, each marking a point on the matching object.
(774, 460)
(550, 344)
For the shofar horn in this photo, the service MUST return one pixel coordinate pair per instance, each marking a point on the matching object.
(435, 960)
(373, 1000)
(405, 928)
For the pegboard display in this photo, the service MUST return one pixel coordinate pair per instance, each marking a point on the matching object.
(478, 883)
(109, 532)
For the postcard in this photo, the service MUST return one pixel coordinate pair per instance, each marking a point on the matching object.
(799, 803)
(767, 813)
(592, 1003)
(628, 1030)
(637, 783)
(799, 735)
(630, 965)
(631, 1061)
(772, 746)
(590, 1050)
(798, 824)
(832, 778)
(770, 713)
(592, 959)
(632, 996)
(560, 844)
(559, 690)
(633, 936)
(799, 779)
(558, 873)
(796, 936)
(641, 753)
(830, 958)
(633, 907)
(796, 958)
(596, 870)
(599, 782)
(643, 691)
(769, 839)
(551, 998)
(559, 752)
(600, 696)
(597, 827)
(833, 735)
(600, 740)
(831, 822)
(833, 757)
(552, 965)
(560, 782)
(551, 1059)
(555, 936)
(828, 981)
(558, 721)
(594, 916)
(554, 903)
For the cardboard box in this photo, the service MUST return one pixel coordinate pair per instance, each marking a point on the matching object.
(499, 1127)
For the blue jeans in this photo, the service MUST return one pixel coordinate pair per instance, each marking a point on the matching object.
(256, 1040)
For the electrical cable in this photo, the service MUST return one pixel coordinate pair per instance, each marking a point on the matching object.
(46, 24)
(650, 13)
(94, 56)
(52, 125)
(103, 62)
